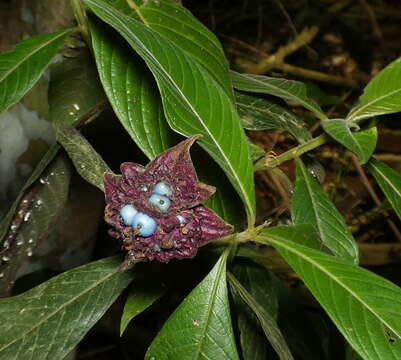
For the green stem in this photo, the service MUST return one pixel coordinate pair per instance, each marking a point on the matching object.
(135, 7)
(82, 20)
(269, 162)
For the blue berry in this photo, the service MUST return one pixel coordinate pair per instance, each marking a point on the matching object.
(128, 213)
(162, 188)
(145, 224)
(160, 202)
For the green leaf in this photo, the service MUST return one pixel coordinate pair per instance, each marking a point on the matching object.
(138, 300)
(261, 114)
(87, 161)
(310, 205)
(136, 101)
(75, 93)
(200, 328)
(132, 92)
(48, 321)
(34, 220)
(304, 234)
(178, 25)
(290, 90)
(362, 143)
(389, 181)
(22, 67)
(365, 307)
(267, 322)
(194, 103)
(382, 95)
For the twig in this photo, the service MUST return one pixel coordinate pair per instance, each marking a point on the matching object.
(269, 162)
(275, 60)
(317, 75)
(388, 157)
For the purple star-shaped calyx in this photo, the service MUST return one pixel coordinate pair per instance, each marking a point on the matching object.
(165, 219)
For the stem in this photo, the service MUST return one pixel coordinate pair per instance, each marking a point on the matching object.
(269, 162)
(82, 20)
(316, 75)
(272, 61)
(135, 7)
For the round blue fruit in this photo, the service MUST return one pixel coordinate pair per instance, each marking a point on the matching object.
(160, 202)
(128, 213)
(145, 224)
(162, 188)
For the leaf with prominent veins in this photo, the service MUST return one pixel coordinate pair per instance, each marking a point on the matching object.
(194, 331)
(365, 307)
(194, 102)
(48, 321)
(22, 67)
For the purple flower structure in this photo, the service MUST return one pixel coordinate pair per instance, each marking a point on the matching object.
(156, 210)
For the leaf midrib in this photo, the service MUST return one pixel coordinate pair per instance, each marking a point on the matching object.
(354, 114)
(351, 135)
(312, 199)
(329, 275)
(262, 110)
(55, 312)
(300, 100)
(385, 178)
(178, 90)
(212, 299)
(26, 58)
(319, 223)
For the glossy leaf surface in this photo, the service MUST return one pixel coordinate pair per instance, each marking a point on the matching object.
(290, 90)
(261, 114)
(310, 205)
(362, 143)
(48, 321)
(87, 161)
(132, 92)
(193, 101)
(365, 307)
(389, 181)
(178, 25)
(21, 68)
(382, 95)
(200, 328)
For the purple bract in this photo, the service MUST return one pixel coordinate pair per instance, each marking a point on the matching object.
(185, 225)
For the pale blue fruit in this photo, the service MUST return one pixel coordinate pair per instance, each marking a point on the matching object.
(160, 202)
(162, 188)
(145, 224)
(128, 213)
